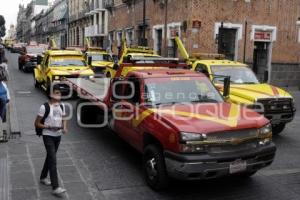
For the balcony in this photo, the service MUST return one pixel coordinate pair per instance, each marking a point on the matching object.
(94, 31)
(108, 4)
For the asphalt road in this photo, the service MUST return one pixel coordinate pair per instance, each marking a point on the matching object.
(95, 164)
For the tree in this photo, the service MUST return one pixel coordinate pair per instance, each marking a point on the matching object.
(2, 26)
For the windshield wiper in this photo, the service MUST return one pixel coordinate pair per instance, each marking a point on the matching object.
(205, 101)
(249, 82)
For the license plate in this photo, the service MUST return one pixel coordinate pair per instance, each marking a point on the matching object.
(237, 166)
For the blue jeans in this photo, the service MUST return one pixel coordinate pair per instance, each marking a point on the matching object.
(51, 145)
(3, 108)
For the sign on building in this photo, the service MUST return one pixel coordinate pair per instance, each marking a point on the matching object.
(263, 36)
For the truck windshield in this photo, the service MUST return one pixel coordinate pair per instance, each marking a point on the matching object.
(101, 57)
(35, 50)
(180, 90)
(238, 74)
(67, 61)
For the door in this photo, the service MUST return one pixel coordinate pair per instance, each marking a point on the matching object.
(44, 68)
(261, 59)
(127, 112)
(227, 42)
(172, 50)
(159, 41)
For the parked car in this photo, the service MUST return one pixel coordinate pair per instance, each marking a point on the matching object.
(28, 57)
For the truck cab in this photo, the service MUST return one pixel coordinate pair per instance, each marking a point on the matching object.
(179, 122)
(55, 65)
(100, 59)
(274, 103)
(128, 53)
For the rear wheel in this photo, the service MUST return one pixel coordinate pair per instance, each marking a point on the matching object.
(278, 128)
(88, 114)
(154, 167)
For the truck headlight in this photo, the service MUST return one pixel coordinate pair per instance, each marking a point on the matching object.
(185, 137)
(56, 77)
(265, 130)
(187, 145)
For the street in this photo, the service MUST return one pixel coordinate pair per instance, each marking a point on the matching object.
(95, 164)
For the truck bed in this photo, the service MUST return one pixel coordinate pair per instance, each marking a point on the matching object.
(95, 89)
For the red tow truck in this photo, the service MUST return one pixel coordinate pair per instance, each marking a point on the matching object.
(178, 121)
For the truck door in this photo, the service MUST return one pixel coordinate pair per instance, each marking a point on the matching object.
(44, 67)
(128, 111)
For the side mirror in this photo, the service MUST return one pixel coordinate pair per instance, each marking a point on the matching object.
(116, 66)
(90, 60)
(266, 76)
(39, 59)
(226, 87)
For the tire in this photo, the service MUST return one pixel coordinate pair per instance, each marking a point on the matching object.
(48, 88)
(277, 129)
(154, 168)
(36, 83)
(88, 115)
(20, 66)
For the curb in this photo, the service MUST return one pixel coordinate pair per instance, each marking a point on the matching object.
(12, 120)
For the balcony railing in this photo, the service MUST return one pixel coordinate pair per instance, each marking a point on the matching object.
(95, 30)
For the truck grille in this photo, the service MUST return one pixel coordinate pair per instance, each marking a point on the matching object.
(274, 106)
(233, 148)
(231, 135)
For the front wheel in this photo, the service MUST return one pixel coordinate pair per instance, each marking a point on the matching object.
(35, 82)
(20, 66)
(154, 168)
(278, 128)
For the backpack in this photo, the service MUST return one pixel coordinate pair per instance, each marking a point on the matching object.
(39, 131)
(3, 73)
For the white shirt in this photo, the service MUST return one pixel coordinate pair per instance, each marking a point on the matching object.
(54, 119)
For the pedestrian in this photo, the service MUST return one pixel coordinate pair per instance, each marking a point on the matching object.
(51, 119)
(4, 65)
(4, 92)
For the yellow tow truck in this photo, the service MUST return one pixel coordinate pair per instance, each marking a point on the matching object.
(128, 53)
(55, 65)
(100, 59)
(274, 103)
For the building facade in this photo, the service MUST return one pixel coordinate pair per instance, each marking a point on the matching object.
(25, 20)
(11, 32)
(250, 31)
(97, 28)
(77, 22)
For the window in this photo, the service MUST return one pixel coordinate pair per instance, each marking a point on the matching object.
(202, 68)
(129, 37)
(119, 38)
(135, 90)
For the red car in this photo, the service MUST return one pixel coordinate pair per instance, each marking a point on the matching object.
(28, 58)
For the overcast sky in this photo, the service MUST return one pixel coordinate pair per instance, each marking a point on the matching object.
(9, 9)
